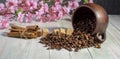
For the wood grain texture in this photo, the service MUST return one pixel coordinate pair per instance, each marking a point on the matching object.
(110, 47)
(81, 54)
(17, 48)
(115, 21)
(62, 54)
(38, 51)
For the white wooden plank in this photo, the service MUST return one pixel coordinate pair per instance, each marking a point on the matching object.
(110, 48)
(15, 49)
(37, 51)
(115, 21)
(62, 54)
(107, 51)
(3, 43)
(115, 49)
(115, 32)
(81, 54)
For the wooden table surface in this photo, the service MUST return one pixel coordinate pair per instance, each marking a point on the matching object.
(14, 48)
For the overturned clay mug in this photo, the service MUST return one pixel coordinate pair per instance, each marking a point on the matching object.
(96, 14)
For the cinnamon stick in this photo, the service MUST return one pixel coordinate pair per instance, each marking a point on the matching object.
(17, 30)
(39, 33)
(22, 35)
(17, 27)
(28, 32)
(13, 34)
(30, 35)
(32, 28)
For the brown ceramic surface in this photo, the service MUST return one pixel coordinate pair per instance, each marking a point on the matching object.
(100, 16)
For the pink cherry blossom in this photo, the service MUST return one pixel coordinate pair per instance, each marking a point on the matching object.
(4, 22)
(73, 4)
(76, 0)
(12, 9)
(41, 3)
(27, 3)
(1, 6)
(57, 6)
(42, 18)
(66, 10)
(48, 17)
(24, 4)
(60, 1)
(90, 1)
(8, 16)
(53, 10)
(39, 13)
(33, 4)
(28, 18)
(42, 10)
(20, 17)
(60, 15)
(10, 3)
(46, 7)
(53, 17)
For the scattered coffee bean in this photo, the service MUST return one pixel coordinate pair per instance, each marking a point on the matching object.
(75, 41)
(80, 38)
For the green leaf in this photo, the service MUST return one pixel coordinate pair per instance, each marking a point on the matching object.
(86, 1)
(18, 11)
(46, 1)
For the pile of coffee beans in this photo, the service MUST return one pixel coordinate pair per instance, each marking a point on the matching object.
(85, 23)
(80, 38)
(76, 41)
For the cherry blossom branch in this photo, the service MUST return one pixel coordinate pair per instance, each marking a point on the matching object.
(40, 10)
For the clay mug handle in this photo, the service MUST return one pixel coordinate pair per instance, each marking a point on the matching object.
(101, 37)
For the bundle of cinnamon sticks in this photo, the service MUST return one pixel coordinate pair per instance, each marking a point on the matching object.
(28, 32)
(33, 31)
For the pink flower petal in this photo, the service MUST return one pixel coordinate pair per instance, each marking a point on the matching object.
(46, 7)
(57, 6)
(66, 10)
(20, 17)
(60, 15)
(90, 1)
(60, 1)
(29, 17)
(73, 4)
(42, 18)
(1, 6)
(4, 22)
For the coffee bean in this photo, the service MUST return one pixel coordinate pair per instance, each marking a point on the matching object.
(97, 45)
(75, 41)
(80, 38)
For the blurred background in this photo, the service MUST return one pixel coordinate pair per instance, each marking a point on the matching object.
(111, 6)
